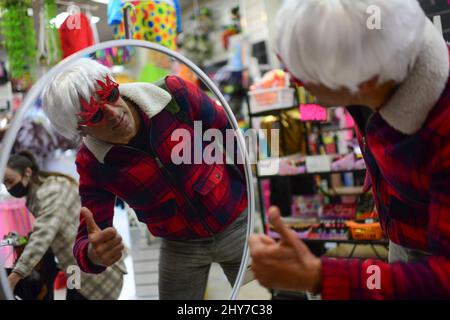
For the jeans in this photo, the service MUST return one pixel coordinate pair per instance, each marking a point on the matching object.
(184, 265)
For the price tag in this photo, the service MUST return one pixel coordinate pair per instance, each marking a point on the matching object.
(318, 163)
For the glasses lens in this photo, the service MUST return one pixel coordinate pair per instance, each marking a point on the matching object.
(113, 96)
(97, 117)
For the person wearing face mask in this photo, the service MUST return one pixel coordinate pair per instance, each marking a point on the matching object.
(53, 199)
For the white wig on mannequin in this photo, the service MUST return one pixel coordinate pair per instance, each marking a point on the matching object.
(61, 98)
(329, 42)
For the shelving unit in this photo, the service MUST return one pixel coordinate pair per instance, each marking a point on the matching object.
(340, 191)
(253, 115)
(332, 226)
(315, 234)
(311, 173)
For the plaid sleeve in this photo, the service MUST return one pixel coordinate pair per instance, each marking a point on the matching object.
(101, 204)
(430, 278)
(51, 205)
(356, 279)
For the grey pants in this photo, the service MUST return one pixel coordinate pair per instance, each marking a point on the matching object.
(184, 265)
(401, 254)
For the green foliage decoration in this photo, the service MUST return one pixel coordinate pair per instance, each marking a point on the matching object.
(19, 39)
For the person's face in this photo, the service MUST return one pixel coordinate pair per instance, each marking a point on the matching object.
(117, 126)
(13, 178)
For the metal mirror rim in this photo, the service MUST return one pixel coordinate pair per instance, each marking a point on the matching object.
(33, 94)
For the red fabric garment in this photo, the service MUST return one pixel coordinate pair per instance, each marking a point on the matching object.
(75, 34)
(410, 177)
(186, 201)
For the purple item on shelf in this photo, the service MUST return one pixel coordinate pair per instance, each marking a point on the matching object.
(345, 163)
(360, 164)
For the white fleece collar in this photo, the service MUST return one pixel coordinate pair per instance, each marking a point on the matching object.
(407, 110)
(149, 98)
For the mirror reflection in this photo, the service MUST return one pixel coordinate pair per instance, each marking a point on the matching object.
(126, 165)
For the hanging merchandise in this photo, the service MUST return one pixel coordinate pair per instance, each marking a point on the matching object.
(93, 27)
(38, 136)
(114, 12)
(5, 93)
(178, 14)
(49, 45)
(3, 74)
(19, 40)
(196, 43)
(233, 28)
(75, 33)
(153, 20)
(16, 219)
(115, 56)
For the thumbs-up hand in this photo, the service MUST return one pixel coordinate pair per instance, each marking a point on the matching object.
(105, 246)
(287, 264)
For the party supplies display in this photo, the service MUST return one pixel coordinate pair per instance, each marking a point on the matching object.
(272, 92)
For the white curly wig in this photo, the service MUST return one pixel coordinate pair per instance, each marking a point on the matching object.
(61, 98)
(331, 42)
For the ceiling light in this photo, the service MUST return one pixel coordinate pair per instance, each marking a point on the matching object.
(101, 1)
(95, 19)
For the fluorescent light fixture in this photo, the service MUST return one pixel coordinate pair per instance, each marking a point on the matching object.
(95, 19)
(3, 123)
(101, 1)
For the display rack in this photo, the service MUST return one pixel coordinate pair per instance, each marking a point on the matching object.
(332, 192)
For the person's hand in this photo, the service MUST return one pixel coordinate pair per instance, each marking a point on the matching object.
(105, 246)
(13, 279)
(287, 264)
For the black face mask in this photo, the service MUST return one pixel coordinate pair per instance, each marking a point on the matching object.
(18, 190)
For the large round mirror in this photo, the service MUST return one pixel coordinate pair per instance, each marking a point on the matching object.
(125, 159)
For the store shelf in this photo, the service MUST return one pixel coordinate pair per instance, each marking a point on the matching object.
(322, 130)
(346, 191)
(269, 112)
(310, 173)
(384, 242)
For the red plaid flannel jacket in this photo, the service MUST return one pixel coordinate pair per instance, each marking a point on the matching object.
(183, 201)
(410, 179)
